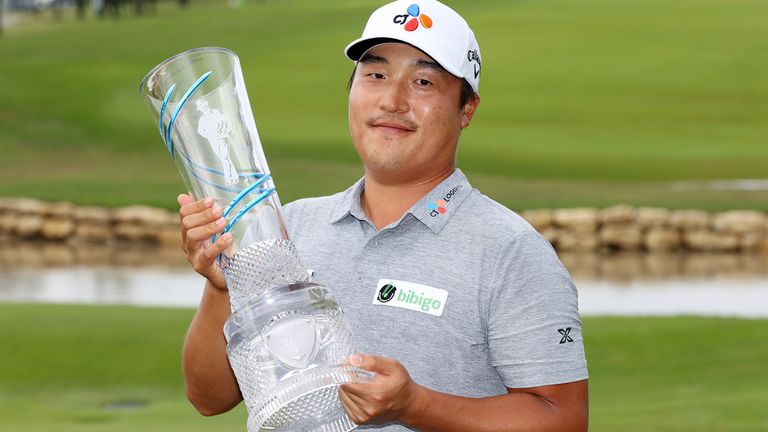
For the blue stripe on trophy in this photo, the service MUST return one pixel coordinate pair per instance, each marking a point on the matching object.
(241, 193)
(166, 132)
(263, 194)
(162, 111)
(183, 100)
(247, 207)
(192, 164)
(216, 185)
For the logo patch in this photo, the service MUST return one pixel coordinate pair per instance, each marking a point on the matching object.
(411, 296)
(565, 335)
(410, 20)
(473, 56)
(386, 293)
(439, 207)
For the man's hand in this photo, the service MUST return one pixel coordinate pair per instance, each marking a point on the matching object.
(394, 396)
(199, 221)
(390, 397)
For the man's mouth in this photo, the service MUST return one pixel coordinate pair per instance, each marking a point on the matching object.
(392, 125)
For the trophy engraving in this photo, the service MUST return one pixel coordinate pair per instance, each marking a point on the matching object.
(214, 127)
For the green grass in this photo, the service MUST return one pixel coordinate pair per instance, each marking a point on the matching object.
(587, 102)
(646, 374)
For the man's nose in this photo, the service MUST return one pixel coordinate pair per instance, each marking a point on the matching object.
(394, 97)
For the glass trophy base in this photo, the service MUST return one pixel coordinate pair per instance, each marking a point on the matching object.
(287, 348)
(310, 404)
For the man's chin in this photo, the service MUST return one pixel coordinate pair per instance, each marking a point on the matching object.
(392, 171)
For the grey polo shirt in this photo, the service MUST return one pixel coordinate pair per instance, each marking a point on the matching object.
(461, 290)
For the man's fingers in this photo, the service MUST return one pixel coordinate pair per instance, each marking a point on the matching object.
(210, 253)
(356, 391)
(195, 207)
(197, 219)
(204, 261)
(201, 233)
(373, 363)
(352, 408)
(184, 199)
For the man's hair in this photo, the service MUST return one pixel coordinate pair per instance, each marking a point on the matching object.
(467, 92)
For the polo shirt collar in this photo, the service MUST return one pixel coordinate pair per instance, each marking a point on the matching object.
(434, 210)
(349, 203)
(437, 207)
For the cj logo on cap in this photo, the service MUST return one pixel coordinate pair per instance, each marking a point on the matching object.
(415, 16)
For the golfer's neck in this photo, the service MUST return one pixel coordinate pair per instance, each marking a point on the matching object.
(386, 202)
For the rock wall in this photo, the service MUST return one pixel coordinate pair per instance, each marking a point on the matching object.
(617, 228)
(62, 222)
(625, 228)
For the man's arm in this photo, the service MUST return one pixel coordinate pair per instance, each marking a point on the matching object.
(210, 383)
(394, 396)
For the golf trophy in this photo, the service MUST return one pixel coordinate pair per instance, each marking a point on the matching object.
(287, 338)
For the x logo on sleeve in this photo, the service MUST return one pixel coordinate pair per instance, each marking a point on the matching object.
(565, 333)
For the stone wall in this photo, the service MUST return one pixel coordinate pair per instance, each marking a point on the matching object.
(625, 228)
(617, 228)
(62, 222)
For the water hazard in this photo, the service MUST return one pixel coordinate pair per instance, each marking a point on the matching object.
(642, 284)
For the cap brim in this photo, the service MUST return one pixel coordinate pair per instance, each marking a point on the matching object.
(358, 47)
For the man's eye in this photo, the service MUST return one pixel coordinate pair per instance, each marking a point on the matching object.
(376, 75)
(423, 82)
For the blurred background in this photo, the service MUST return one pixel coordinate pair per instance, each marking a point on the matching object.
(659, 106)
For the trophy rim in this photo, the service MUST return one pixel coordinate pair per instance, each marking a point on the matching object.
(176, 56)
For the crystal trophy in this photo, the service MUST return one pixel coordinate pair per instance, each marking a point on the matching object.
(287, 339)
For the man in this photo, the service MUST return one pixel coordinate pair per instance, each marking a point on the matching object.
(214, 127)
(474, 323)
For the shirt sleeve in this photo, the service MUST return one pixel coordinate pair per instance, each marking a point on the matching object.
(533, 325)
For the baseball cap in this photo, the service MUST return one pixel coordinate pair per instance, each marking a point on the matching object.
(429, 26)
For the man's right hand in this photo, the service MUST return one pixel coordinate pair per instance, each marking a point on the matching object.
(199, 221)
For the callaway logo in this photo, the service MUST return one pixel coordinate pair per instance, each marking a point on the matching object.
(439, 207)
(473, 56)
(415, 16)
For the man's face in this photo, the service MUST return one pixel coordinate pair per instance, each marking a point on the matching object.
(404, 114)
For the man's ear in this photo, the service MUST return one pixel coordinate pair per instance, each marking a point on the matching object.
(469, 110)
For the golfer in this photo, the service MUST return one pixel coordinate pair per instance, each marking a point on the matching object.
(461, 308)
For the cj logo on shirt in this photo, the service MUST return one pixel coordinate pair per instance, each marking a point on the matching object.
(439, 207)
(411, 296)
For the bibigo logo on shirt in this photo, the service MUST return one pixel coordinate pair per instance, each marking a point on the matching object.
(411, 296)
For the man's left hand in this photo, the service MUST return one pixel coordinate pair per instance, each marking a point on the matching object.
(390, 397)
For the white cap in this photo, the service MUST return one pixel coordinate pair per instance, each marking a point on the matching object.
(429, 26)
